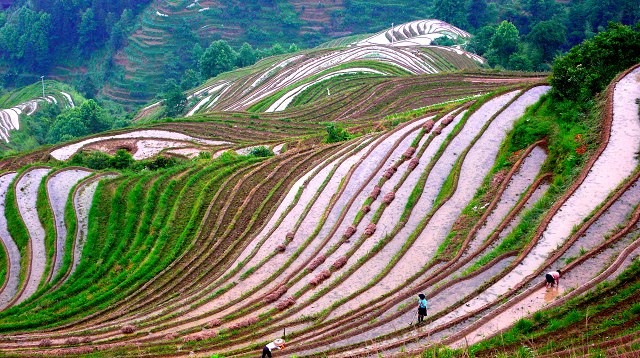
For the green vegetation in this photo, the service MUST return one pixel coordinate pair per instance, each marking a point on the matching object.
(589, 67)
(56, 122)
(532, 33)
(122, 160)
(261, 151)
(594, 315)
(336, 133)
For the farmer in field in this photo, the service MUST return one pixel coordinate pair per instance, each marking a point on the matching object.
(553, 277)
(422, 307)
(277, 344)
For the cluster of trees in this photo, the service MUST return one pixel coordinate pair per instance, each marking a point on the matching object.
(50, 125)
(36, 34)
(533, 32)
(588, 68)
(122, 160)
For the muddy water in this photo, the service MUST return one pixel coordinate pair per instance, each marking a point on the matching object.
(616, 163)
(613, 217)
(26, 196)
(278, 236)
(375, 266)
(67, 151)
(386, 223)
(288, 223)
(305, 230)
(13, 253)
(383, 224)
(537, 194)
(58, 187)
(635, 255)
(588, 269)
(260, 275)
(426, 244)
(475, 166)
(543, 296)
(517, 186)
(147, 148)
(438, 303)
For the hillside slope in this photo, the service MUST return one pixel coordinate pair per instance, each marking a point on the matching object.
(293, 197)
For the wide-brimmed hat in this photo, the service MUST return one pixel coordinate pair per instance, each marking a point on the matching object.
(279, 342)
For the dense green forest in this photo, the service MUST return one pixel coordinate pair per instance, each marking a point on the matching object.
(38, 36)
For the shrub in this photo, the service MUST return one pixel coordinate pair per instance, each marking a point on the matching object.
(336, 133)
(388, 197)
(371, 228)
(589, 67)
(350, 231)
(128, 329)
(375, 192)
(316, 262)
(261, 151)
(524, 326)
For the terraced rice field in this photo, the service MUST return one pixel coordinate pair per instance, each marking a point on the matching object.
(222, 253)
(10, 117)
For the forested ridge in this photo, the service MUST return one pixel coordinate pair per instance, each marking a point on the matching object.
(93, 43)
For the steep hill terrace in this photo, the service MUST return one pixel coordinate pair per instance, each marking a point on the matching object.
(422, 201)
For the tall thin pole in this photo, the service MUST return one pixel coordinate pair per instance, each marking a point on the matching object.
(392, 32)
(42, 79)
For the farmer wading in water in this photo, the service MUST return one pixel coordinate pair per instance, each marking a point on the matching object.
(553, 277)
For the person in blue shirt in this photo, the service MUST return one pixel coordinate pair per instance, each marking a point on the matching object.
(422, 307)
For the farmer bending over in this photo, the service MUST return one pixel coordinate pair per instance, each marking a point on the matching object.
(553, 277)
(277, 344)
(422, 307)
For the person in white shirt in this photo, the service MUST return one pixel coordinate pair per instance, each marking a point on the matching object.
(276, 344)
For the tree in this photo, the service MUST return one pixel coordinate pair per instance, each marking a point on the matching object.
(86, 119)
(190, 79)
(480, 43)
(122, 159)
(24, 39)
(174, 101)
(589, 67)
(478, 14)
(547, 37)
(87, 31)
(246, 55)
(504, 43)
(452, 12)
(218, 58)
